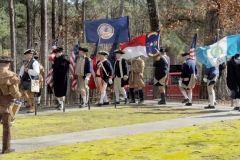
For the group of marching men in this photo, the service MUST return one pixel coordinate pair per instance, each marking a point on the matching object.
(118, 75)
(106, 74)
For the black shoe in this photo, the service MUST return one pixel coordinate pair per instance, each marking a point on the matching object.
(141, 101)
(38, 104)
(116, 103)
(27, 106)
(99, 104)
(162, 102)
(126, 100)
(188, 104)
(185, 100)
(58, 106)
(105, 103)
(209, 107)
(133, 101)
(83, 105)
(236, 108)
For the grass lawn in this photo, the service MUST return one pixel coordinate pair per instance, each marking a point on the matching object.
(205, 142)
(57, 123)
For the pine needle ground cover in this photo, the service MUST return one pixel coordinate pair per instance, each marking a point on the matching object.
(58, 123)
(219, 140)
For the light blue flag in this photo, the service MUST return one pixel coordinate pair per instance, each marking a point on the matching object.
(219, 52)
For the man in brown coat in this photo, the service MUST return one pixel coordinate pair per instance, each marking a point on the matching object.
(8, 91)
(136, 78)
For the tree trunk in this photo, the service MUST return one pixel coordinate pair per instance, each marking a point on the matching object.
(44, 48)
(76, 5)
(83, 19)
(60, 20)
(66, 27)
(53, 20)
(29, 34)
(211, 26)
(66, 39)
(34, 23)
(121, 11)
(154, 24)
(153, 14)
(12, 34)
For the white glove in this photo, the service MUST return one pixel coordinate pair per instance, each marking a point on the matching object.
(205, 79)
(180, 83)
(110, 81)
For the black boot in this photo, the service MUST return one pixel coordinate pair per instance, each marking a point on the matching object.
(132, 95)
(141, 99)
(126, 101)
(163, 99)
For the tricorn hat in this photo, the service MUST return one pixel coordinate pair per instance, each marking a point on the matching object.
(103, 53)
(58, 50)
(5, 59)
(118, 51)
(185, 54)
(83, 49)
(28, 51)
(163, 50)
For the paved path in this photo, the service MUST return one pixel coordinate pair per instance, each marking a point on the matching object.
(94, 107)
(70, 138)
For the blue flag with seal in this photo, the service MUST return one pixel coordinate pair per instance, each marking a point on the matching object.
(219, 52)
(152, 43)
(109, 30)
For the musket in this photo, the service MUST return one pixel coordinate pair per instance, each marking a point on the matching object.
(29, 63)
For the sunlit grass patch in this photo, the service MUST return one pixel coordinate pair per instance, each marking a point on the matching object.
(219, 140)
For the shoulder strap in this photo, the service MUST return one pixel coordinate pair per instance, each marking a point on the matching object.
(164, 58)
(103, 68)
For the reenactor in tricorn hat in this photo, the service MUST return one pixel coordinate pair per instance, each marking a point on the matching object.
(121, 73)
(8, 91)
(29, 71)
(211, 77)
(136, 78)
(104, 76)
(162, 65)
(60, 76)
(83, 73)
(188, 78)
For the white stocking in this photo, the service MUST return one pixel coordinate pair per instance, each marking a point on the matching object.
(84, 99)
(105, 98)
(190, 97)
(184, 93)
(117, 97)
(102, 96)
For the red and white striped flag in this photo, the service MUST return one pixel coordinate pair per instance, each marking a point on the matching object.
(49, 78)
(193, 48)
(73, 65)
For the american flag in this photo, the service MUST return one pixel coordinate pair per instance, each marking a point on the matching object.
(193, 48)
(49, 78)
(73, 64)
(92, 82)
(52, 55)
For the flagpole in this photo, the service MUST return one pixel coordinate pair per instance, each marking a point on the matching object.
(161, 30)
(218, 30)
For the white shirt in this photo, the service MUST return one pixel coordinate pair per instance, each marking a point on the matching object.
(33, 72)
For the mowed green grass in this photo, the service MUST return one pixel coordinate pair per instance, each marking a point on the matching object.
(57, 123)
(215, 141)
